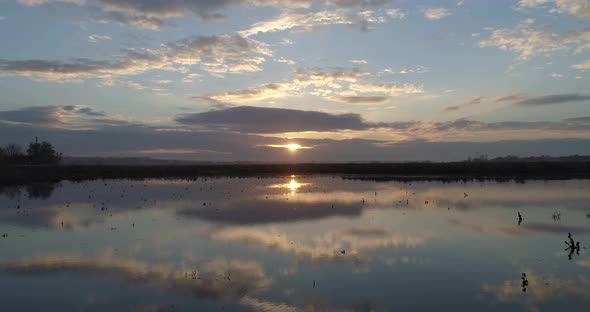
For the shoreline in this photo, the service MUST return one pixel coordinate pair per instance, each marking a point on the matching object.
(412, 171)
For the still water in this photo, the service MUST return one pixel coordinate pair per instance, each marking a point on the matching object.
(295, 244)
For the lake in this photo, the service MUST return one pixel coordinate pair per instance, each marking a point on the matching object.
(295, 243)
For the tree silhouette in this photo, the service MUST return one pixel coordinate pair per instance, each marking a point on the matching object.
(13, 152)
(42, 153)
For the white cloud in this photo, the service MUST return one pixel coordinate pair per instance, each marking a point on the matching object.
(387, 89)
(578, 8)
(286, 61)
(214, 54)
(359, 62)
(311, 21)
(350, 87)
(583, 65)
(96, 38)
(190, 78)
(396, 13)
(436, 13)
(527, 41)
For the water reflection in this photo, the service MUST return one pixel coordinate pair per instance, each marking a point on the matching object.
(295, 244)
(293, 185)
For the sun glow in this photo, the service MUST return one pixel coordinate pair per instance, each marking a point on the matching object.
(292, 147)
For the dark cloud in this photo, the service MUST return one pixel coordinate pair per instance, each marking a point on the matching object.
(121, 18)
(153, 14)
(247, 211)
(274, 120)
(55, 115)
(33, 115)
(572, 124)
(55, 67)
(453, 108)
(474, 101)
(509, 98)
(553, 99)
(518, 99)
(349, 3)
(250, 119)
(360, 99)
(90, 112)
(578, 119)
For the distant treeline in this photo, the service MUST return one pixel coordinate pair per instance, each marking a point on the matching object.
(36, 154)
(513, 158)
(517, 170)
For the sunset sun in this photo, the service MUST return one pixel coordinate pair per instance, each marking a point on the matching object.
(293, 147)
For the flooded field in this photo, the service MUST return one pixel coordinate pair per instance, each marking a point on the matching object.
(295, 244)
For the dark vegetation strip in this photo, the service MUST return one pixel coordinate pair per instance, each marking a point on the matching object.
(22, 174)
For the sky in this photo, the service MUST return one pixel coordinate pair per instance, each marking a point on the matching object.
(297, 81)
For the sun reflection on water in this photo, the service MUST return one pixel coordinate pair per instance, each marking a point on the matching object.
(293, 185)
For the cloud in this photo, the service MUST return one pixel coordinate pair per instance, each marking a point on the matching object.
(387, 89)
(524, 100)
(313, 20)
(360, 99)
(247, 276)
(527, 42)
(244, 211)
(453, 140)
(553, 99)
(274, 120)
(41, 2)
(549, 288)
(325, 248)
(510, 98)
(583, 65)
(214, 54)
(436, 13)
(44, 115)
(475, 126)
(578, 8)
(156, 14)
(96, 38)
(336, 84)
(262, 92)
(473, 101)
(55, 116)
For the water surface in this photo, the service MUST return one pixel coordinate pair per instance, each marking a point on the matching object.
(294, 244)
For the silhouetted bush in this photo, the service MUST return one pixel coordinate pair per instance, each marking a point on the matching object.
(37, 154)
(42, 153)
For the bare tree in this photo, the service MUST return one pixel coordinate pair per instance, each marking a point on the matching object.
(13, 152)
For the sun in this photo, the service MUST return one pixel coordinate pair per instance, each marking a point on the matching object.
(293, 147)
